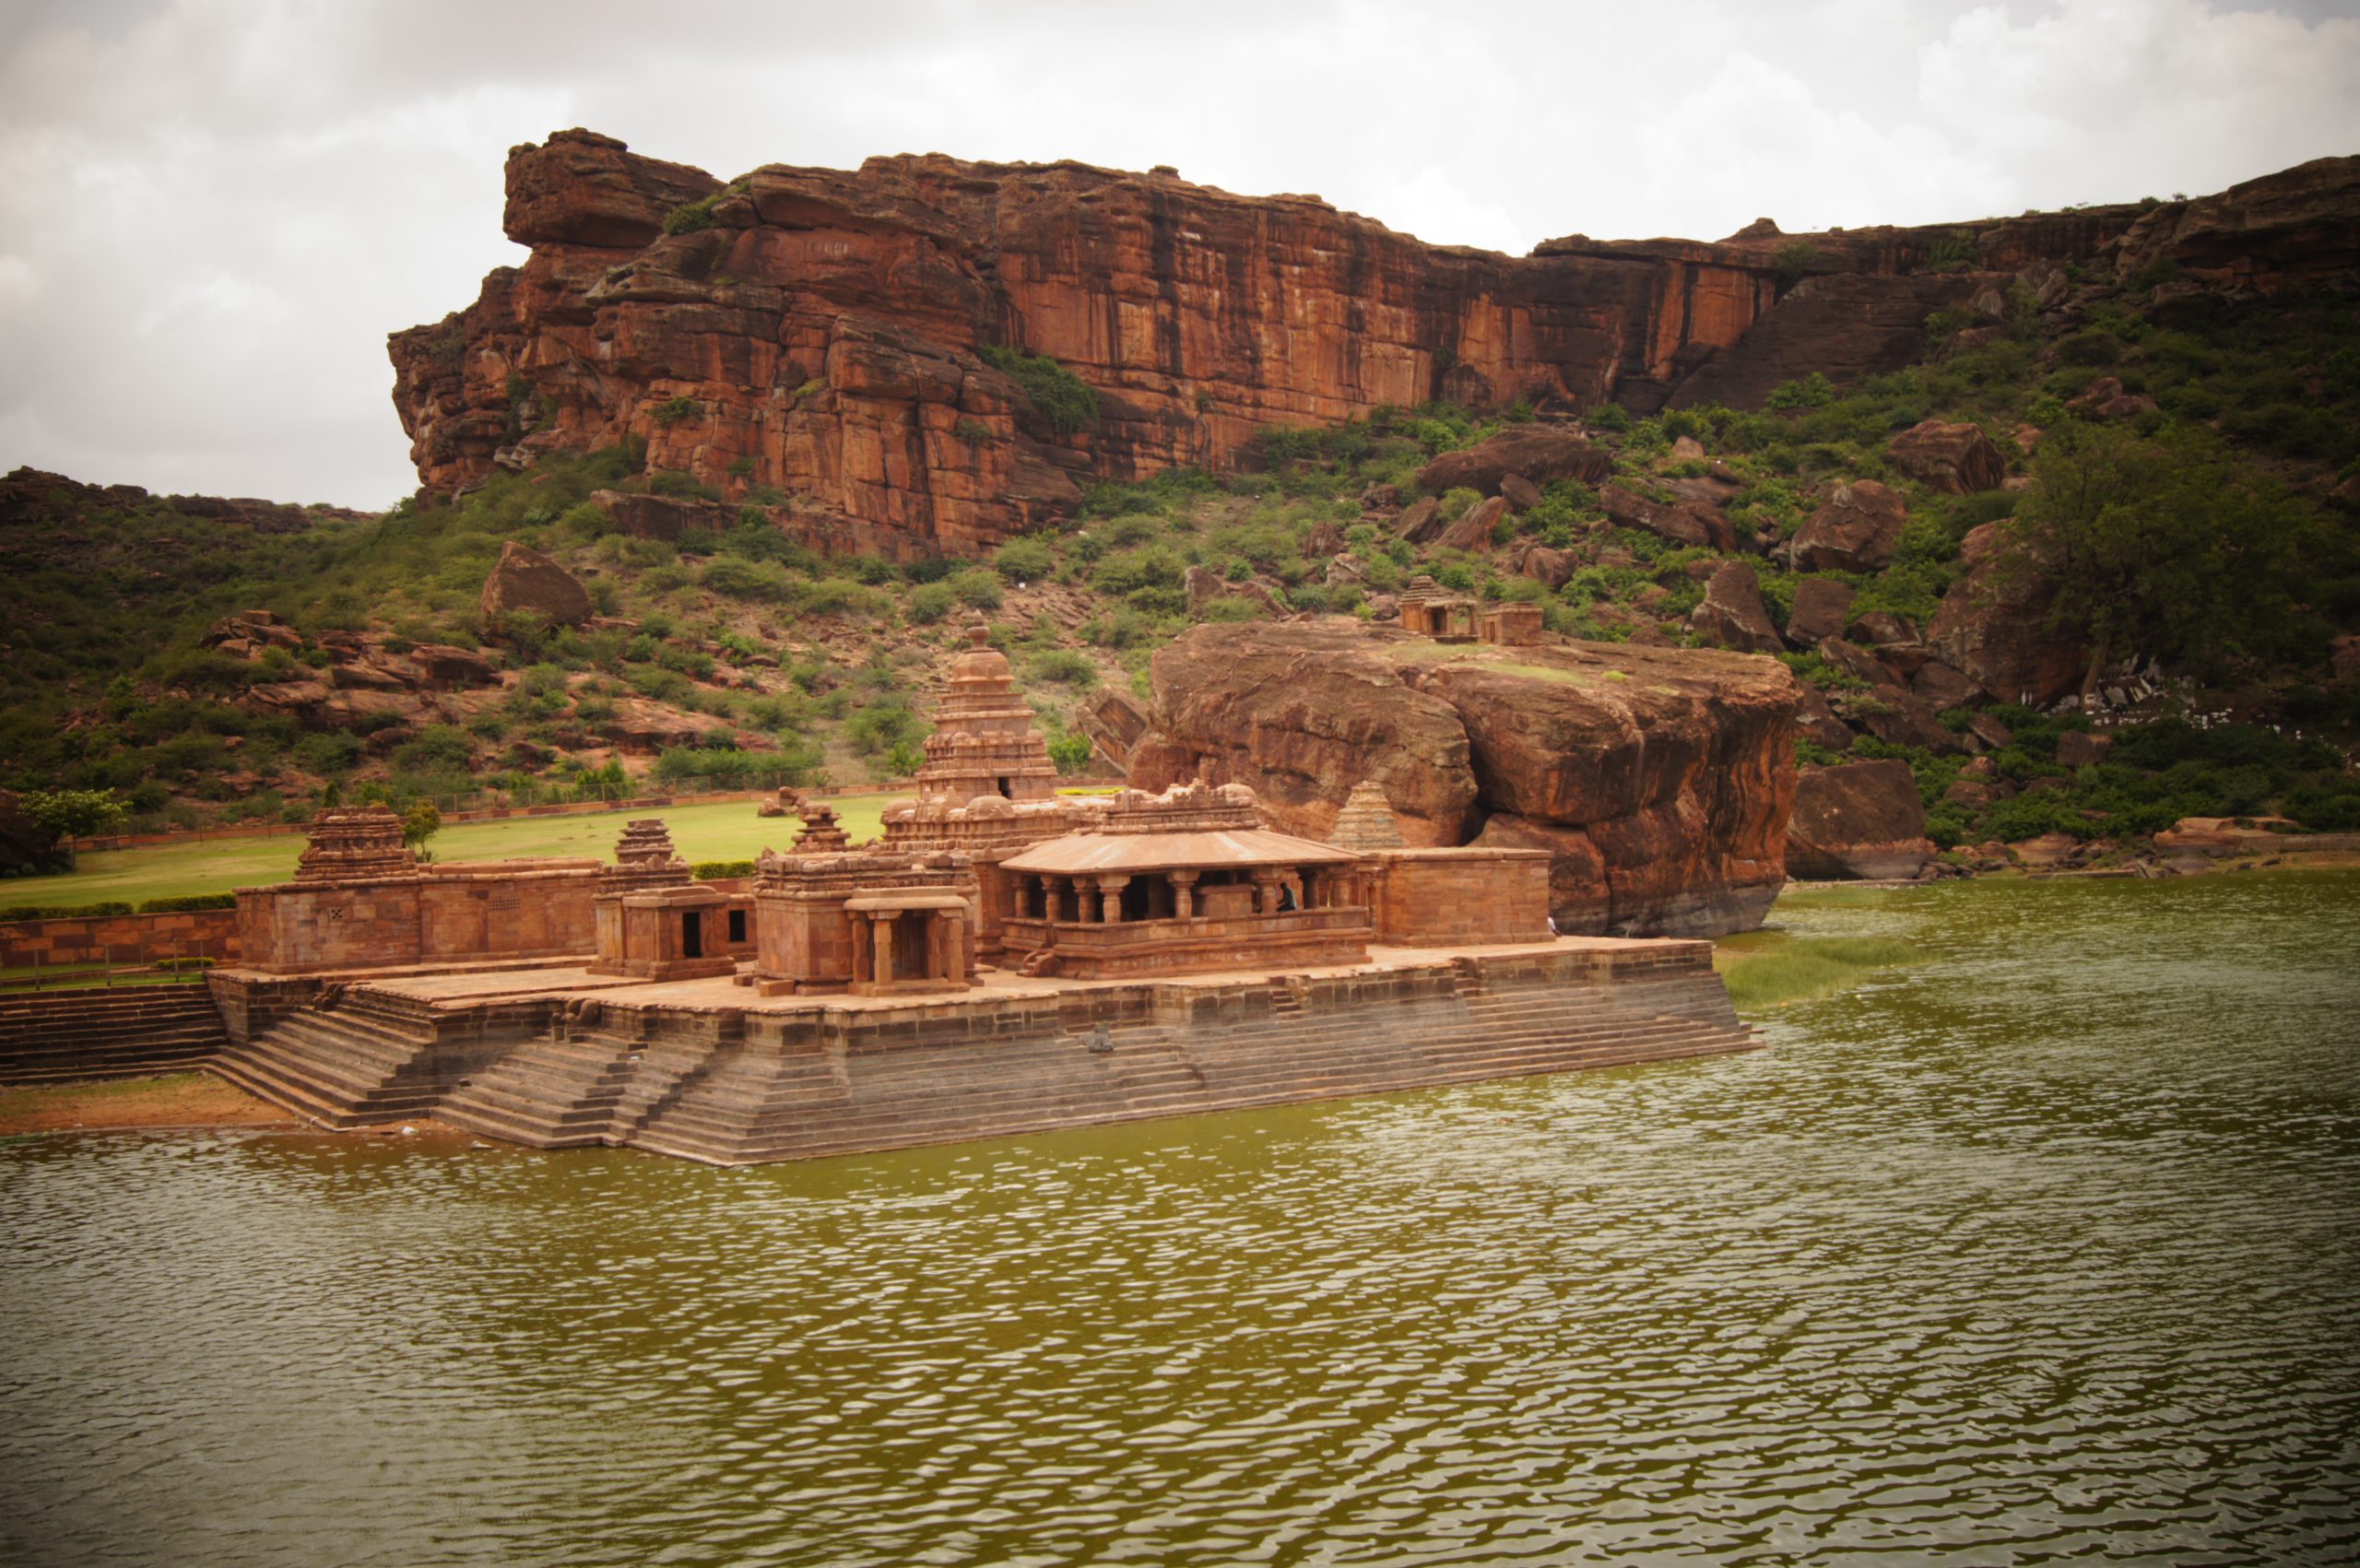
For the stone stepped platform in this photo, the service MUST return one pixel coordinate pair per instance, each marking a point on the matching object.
(696, 1070)
(126, 1031)
(366, 1056)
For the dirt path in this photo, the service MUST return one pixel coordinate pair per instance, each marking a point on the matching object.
(173, 1100)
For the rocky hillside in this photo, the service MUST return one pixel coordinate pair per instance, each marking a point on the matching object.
(927, 356)
(2079, 559)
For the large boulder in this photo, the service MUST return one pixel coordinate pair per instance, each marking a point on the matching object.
(1956, 459)
(1660, 778)
(1114, 721)
(1858, 819)
(525, 581)
(1473, 531)
(1679, 523)
(1855, 531)
(1539, 453)
(1994, 627)
(1821, 605)
(1732, 615)
(1544, 564)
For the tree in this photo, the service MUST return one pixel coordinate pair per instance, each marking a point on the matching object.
(2171, 547)
(904, 760)
(1071, 751)
(421, 822)
(71, 813)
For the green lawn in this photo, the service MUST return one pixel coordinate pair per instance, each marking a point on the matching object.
(728, 831)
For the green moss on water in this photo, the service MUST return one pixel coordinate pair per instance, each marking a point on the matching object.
(1772, 971)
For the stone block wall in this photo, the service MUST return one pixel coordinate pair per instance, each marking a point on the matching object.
(1440, 897)
(120, 938)
(439, 914)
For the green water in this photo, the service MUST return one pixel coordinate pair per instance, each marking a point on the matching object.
(2044, 1250)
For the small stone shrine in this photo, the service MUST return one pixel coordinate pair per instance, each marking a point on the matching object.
(873, 922)
(655, 920)
(1429, 609)
(351, 843)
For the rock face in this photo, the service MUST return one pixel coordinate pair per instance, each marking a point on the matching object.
(527, 582)
(1855, 531)
(1858, 821)
(1661, 779)
(1537, 454)
(1993, 626)
(1957, 459)
(820, 333)
(1732, 615)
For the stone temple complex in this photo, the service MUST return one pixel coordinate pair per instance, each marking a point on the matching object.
(1005, 959)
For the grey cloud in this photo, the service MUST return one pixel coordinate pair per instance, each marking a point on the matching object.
(211, 211)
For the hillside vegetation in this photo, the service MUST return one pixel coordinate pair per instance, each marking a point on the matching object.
(2185, 474)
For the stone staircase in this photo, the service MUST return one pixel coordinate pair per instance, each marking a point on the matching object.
(752, 1105)
(903, 1095)
(126, 1032)
(364, 1061)
(731, 1087)
(559, 1092)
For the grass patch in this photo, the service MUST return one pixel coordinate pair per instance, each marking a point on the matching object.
(1776, 972)
(719, 831)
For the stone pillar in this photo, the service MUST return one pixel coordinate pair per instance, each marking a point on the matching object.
(1110, 899)
(1265, 893)
(954, 949)
(882, 928)
(1183, 895)
(1085, 897)
(864, 959)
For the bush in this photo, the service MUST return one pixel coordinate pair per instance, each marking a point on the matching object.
(746, 580)
(718, 871)
(1028, 560)
(187, 901)
(1071, 751)
(977, 588)
(1062, 666)
(1061, 397)
(929, 602)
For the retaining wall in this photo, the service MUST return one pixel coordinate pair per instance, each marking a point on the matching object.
(120, 938)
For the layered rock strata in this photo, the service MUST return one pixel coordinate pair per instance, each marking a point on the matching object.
(1659, 779)
(814, 340)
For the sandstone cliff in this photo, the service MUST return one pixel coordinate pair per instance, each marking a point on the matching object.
(814, 334)
(1660, 778)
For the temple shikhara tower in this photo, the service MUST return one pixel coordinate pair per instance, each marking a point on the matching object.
(984, 741)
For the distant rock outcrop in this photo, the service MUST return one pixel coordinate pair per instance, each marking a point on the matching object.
(1957, 459)
(527, 582)
(835, 346)
(1661, 779)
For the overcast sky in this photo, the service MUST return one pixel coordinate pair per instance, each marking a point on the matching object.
(212, 211)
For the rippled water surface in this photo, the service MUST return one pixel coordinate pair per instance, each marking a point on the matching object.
(2045, 1250)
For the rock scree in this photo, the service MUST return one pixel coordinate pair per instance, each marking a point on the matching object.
(1661, 779)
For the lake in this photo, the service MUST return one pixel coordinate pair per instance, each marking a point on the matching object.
(2040, 1250)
